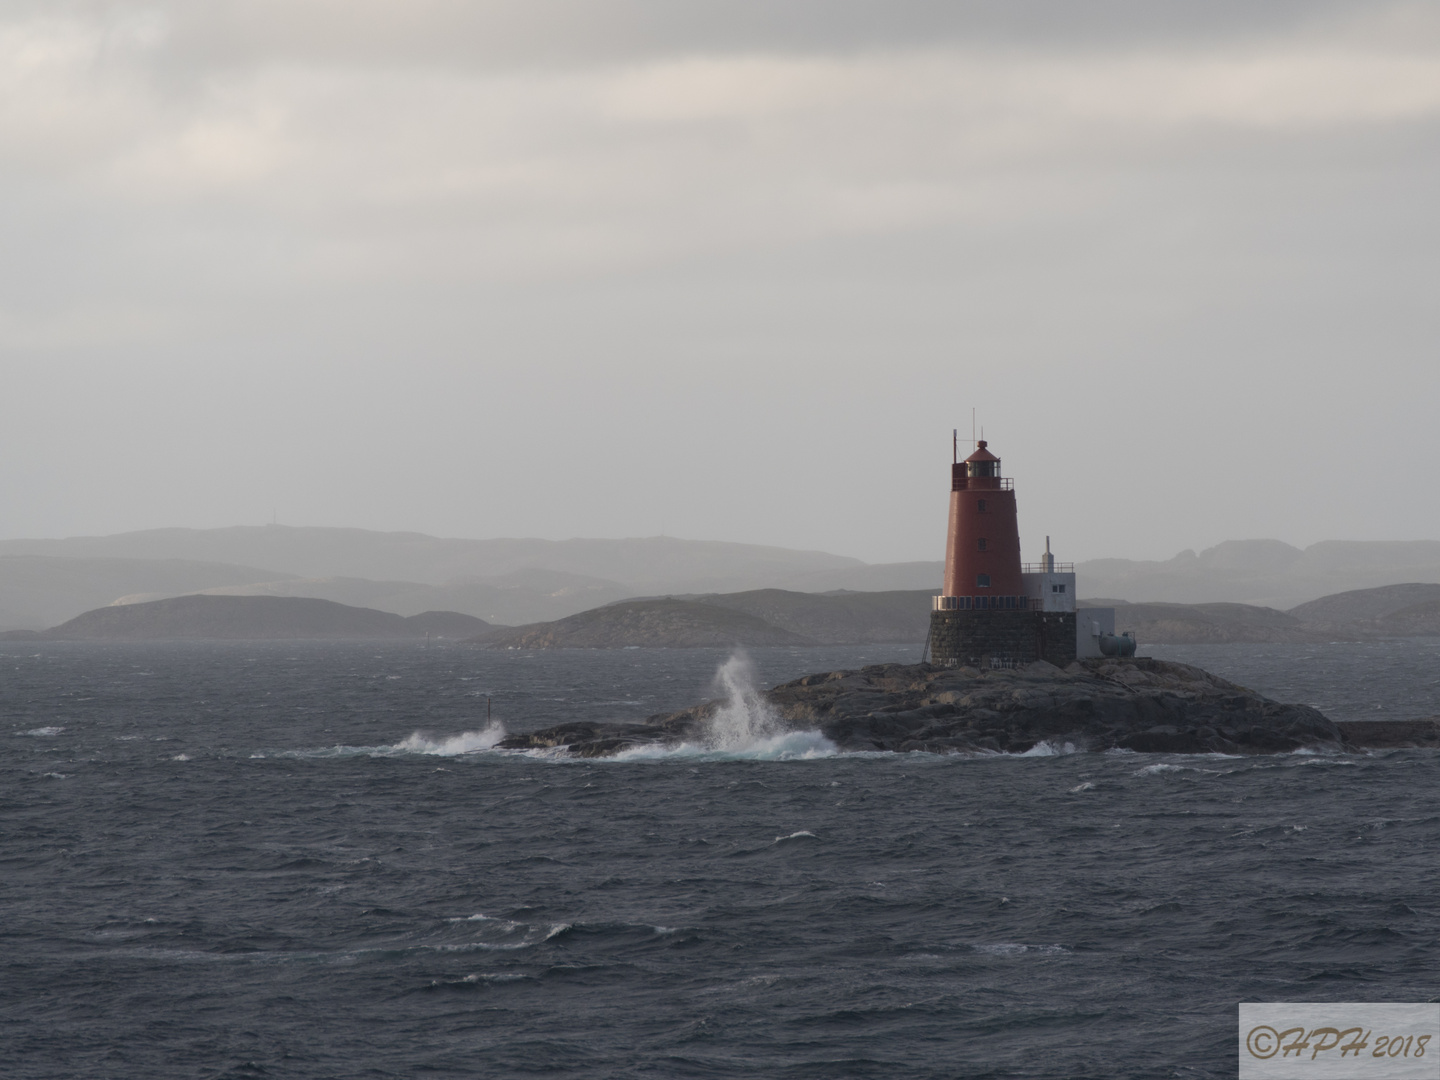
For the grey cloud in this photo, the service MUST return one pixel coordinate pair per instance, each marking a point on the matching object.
(734, 271)
(505, 33)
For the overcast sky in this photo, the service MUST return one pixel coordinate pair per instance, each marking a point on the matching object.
(728, 270)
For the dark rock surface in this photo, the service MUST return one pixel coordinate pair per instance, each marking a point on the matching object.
(1145, 705)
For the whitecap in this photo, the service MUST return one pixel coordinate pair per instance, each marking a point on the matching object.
(467, 742)
(529, 935)
(1163, 767)
(1002, 948)
(1045, 748)
(1086, 786)
(1011, 948)
(796, 836)
(44, 732)
(181, 757)
(790, 746)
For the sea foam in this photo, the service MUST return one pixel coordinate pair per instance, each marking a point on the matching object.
(467, 742)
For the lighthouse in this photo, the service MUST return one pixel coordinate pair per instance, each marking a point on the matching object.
(996, 610)
(982, 550)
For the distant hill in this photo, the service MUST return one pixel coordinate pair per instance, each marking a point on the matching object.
(757, 617)
(840, 618)
(653, 564)
(662, 623)
(255, 618)
(1262, 572)
(502, 581)
(1391, 611)
(1411, 610)
(37, 591)
(1365, 604)
(520, 582)
(764, 616)
(754, 617)
(1190, 624)
(521, 596)
(876, 577)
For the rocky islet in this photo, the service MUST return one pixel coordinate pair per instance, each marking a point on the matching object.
(1142, 705)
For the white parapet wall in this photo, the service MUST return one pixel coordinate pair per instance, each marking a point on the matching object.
(1091, 624)
(1049, 592)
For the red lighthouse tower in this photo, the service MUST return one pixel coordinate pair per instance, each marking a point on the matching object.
(994, 610)
(982, 551)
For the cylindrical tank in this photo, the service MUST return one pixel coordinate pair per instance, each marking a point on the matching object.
(1117, 644)
(982, 550)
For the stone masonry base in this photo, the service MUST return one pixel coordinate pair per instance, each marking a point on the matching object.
(1018, 637)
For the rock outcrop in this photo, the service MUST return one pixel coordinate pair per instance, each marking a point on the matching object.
(1143, 705)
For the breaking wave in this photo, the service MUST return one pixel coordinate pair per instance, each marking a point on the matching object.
(467, 742)
(744, 727)
(793, 746)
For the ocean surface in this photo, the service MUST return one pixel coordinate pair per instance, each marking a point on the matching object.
(284, 860)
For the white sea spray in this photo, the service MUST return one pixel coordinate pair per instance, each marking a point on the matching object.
(467, 742)
(743, 726)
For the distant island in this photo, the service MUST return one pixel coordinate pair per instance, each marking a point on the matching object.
(252, 618)
(753, 618)
(524, 582)
(780, 617)
(1390, 611)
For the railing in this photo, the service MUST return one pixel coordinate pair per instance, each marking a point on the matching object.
(1039, 568)
(982, 483)
(985, 603)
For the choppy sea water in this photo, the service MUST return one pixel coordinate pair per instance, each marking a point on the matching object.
(289, 860)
